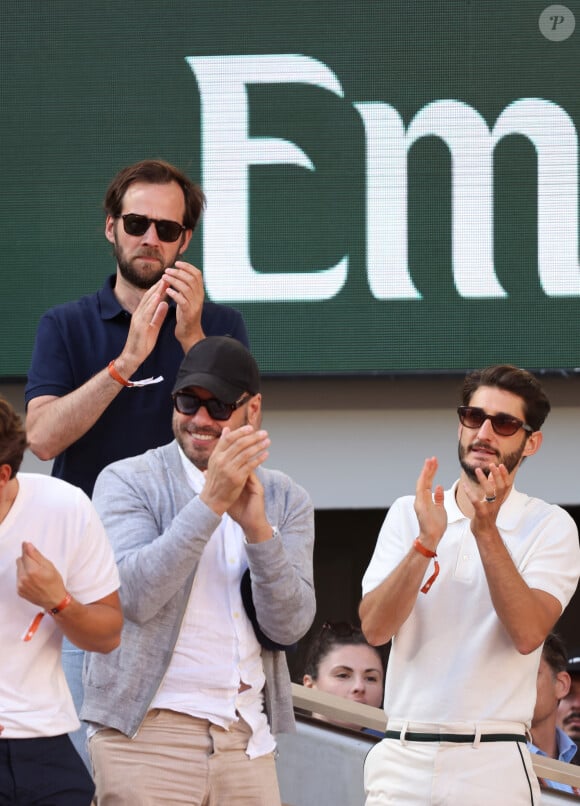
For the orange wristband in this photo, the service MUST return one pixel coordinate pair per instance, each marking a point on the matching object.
(115, 375)
(112, 370)
(61, 605)
(418, 546)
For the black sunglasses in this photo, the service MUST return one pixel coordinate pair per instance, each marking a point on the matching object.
(188, 403)
(168, 231)
(503, 424)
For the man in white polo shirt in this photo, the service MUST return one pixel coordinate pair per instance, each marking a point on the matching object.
(468, 583)
(215, 558)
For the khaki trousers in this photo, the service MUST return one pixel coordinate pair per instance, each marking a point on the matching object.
(178, 759)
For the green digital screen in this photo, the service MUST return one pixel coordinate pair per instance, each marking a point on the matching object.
(392, 187)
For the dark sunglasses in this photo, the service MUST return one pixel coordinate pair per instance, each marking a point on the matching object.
(503, 424)
(188, 403)
(168, 231)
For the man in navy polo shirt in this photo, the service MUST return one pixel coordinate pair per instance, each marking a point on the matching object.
(99, 384)
(102, 370)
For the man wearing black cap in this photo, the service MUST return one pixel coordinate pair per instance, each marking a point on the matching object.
(189, 704)
(569, 708)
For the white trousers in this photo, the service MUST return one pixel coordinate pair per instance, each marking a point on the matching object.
(410, 773)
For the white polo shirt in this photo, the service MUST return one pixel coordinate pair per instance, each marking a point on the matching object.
(452, 660)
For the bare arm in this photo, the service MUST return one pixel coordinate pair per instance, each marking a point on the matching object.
(387, 607)
(95, 627)
(54, 423)
(527, 614)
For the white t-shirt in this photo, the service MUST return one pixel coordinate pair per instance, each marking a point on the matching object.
(452, 660)
(61, 522)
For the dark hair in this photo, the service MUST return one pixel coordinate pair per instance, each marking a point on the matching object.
(512, 379)
(13, 440)
(331, 636)
(155, 172)
(554, 653)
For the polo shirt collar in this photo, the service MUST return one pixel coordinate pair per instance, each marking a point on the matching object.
(508, 516)
(110, 306)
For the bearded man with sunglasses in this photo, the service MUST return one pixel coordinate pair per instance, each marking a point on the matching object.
(102, 366)
(468, 583)
(215, 558)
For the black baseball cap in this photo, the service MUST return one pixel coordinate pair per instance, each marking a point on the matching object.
(573, 665)
(222, 366)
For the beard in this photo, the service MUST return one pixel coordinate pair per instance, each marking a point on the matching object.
(510, 460)
(198, 456)
(140, 278)
(132, 275)
(573, 730)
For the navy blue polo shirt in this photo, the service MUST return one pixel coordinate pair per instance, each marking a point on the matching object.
(76, 340)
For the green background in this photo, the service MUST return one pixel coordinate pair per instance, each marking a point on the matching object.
(88, 88)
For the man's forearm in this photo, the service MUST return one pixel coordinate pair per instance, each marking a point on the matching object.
(527, 614)
(55, 423)
(93, 627)
(384, 609)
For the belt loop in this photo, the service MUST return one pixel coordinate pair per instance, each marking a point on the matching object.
(477, 737)
(404, 727)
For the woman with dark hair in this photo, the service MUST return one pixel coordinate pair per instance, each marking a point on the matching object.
(340, 661)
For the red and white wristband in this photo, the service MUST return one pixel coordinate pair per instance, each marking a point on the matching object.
(61, 605)
(116, 376)
(53, 611)
(418, 546)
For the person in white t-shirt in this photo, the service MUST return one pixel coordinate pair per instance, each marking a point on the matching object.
(468, 583)
(57, 577)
